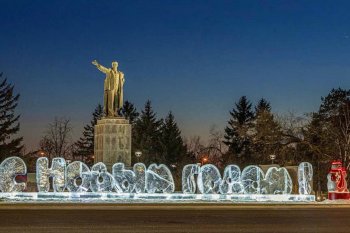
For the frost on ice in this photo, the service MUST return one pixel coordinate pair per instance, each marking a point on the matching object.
(252, 177)
(78, 177)
(209, 179)
(101, 179)
(125, 179)
(231, 180)
(57, 172)
(9, 169)
(159, 179)
(140, 178)
(188, 179)
(277, 181)
(305, 173)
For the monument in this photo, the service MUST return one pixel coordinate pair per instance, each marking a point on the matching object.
(112, 132)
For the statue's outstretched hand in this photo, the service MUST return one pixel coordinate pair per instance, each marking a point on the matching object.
(94, 62)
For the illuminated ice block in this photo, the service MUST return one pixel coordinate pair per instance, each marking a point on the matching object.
(9, 169)
(101, 180)
(57, 172)
(78, 171)
(252, 177)
(209, 179)
(231, 180)
(305, 174)
(125, 179)
(188, 179)
(277, 181)
(140, 178)
(159, 179)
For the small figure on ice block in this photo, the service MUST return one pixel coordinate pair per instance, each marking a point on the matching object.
(337, 184)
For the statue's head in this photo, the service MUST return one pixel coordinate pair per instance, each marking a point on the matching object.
(114, 65)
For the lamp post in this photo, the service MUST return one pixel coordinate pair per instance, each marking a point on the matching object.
(272, 157)
(138, 154)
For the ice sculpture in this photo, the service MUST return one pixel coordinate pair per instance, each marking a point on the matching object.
(78, 177)
(159, 179)
(208, 179)
(277, 181)
(305, 173)
(57, 172)
(251, 179)
(188, 179)
(9, 169)
(101, 180)
(140, 178)
(231, 180)
(125, 179)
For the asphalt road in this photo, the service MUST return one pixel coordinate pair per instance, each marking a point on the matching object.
(173, 218)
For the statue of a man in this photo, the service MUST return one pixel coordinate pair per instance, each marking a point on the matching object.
(113, 89)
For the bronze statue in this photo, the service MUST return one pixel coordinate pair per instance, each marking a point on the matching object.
(113, 89)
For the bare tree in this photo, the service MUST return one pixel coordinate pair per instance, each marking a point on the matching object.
(57, 140)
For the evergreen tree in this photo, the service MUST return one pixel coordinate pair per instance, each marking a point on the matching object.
(238, 133)
(147, 136)
(9, 125)
(85, 145)
(268, 133)
(173, 148)
(263, 105)
(129, 112)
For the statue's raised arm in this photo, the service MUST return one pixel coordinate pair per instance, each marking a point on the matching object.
(100, 67)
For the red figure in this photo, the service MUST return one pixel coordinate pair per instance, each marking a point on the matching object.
(338, 175)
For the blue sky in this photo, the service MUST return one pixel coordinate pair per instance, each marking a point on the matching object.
(195, 58)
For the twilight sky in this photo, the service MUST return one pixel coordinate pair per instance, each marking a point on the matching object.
(195, 58)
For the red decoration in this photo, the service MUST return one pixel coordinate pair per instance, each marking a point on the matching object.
(337, 185)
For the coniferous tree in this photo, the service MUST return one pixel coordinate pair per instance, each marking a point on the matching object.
(268, 133)
(85, 145)
(239, 131)
(9, 125)
(129, 112)
(147, 136)
(173, 148)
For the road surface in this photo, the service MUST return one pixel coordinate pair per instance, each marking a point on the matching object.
(173, 218)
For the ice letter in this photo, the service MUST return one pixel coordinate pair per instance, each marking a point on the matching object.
(188, 180)
(209, 179)
(305, 173)
(101, 179)
(140, 178)
(277, 181)
(231, 181)
(78, 177)
(57, 171)
(252, 176)
(159, 179)
(125, 179)
(9, 169)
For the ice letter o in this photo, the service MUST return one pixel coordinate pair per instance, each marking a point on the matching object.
(231, 180)
(125, 179)
(159, 179)
(76, 170)
(188, 180)
(252, 177)
(9, 169)
(57, 171)
(305, 173)
(140, 178)
(209, 179)
(101, 179)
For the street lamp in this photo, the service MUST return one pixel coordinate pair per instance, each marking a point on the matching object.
(138, 154)
(272, 157)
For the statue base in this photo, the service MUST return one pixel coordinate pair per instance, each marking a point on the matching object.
(113, 141)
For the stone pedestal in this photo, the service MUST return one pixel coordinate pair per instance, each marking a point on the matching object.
(113, 141)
